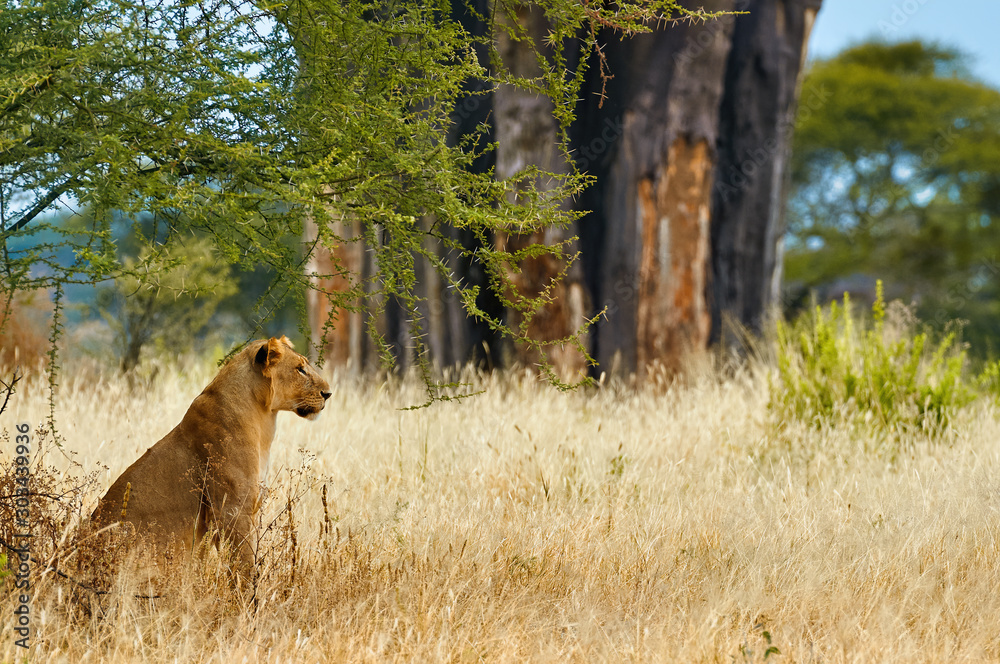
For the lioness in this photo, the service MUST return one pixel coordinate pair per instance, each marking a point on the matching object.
(204, 475)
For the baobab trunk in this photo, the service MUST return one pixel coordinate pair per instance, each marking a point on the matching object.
(757, 116)
(652, 207)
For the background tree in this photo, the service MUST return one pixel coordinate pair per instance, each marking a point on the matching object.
(24, 323)
(165, 297)
(527, 132)
(897, 176)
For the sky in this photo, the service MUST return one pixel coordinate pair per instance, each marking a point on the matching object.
(970, 25)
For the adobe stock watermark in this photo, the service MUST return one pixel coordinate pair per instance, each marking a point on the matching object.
(20, 560)
(470, 103)
(901, 14)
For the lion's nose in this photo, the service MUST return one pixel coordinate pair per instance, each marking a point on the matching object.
(325, 395)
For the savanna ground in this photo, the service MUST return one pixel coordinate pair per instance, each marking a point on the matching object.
(679, 523)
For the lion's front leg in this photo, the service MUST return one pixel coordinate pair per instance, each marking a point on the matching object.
(231, 501)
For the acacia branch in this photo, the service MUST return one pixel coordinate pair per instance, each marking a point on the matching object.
(38, 88)
(40, 206)
(9, 388)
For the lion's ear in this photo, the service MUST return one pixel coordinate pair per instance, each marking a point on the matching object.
(268, 354)
(286, 341)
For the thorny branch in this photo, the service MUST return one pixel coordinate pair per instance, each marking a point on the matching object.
(8, 387)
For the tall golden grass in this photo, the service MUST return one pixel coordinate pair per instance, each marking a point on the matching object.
(525, 524)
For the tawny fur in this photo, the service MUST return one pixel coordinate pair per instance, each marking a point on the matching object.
(204, 476)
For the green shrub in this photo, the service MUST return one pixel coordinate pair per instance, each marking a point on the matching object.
(834, 365)
(989, 381)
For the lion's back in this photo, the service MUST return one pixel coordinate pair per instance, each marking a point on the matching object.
(161, 486)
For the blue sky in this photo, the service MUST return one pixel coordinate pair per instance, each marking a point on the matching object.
(970, 25)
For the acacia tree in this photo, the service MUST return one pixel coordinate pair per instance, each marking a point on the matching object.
(178, 298)
(243, 121)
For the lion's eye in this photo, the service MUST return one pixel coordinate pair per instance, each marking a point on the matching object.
(302, 370)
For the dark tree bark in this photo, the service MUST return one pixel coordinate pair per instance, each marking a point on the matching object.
(471, 340)
(649, 228)
(748, 200)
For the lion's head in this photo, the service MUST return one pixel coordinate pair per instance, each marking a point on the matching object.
(295, 383)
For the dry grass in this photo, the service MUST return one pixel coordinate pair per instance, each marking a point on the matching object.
(530, 525)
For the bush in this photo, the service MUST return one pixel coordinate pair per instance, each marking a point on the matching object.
(989, 382)
(834, 366)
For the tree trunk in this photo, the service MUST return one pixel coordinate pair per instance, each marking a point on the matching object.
(651, 206)
(527, 134)
(335, 330)
(748, 201)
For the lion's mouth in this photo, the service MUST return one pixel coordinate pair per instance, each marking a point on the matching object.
(308, 412)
